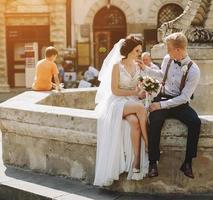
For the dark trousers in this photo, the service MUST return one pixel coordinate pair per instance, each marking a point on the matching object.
(186, 115)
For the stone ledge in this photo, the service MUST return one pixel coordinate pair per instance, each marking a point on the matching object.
(67, 135)
(173, 133)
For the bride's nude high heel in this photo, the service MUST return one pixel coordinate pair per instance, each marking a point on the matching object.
(135, 170)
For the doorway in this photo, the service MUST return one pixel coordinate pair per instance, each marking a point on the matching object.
(109, 26)
(17, 38)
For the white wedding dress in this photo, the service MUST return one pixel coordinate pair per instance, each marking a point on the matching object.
(114, 148)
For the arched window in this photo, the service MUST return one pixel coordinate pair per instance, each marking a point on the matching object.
(168, 12)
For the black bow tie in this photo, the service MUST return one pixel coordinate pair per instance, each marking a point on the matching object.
(177, 62)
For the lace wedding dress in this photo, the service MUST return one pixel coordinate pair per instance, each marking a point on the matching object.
(114, 148)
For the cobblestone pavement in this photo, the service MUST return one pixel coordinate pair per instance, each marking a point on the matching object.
(16, 183)
(13, 92)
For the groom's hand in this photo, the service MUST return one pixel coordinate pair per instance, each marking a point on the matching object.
(154, 106)
(141, 64)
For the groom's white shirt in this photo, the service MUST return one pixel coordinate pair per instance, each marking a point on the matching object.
(172, 85)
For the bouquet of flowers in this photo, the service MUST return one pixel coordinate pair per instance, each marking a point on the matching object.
(150, 85)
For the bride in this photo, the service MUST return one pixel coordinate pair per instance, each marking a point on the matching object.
(122, 119)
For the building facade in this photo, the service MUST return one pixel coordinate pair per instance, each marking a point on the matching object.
(99, 24)
(90, 26)
(40, 22)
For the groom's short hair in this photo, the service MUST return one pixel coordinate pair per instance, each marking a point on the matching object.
(178, 40)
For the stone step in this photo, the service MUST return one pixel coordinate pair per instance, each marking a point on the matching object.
(7, 193)
(18, 184)
(24, 185)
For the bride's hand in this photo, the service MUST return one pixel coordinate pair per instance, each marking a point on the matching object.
(142, 94)
(141, 64)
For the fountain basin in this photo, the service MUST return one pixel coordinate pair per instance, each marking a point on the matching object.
(55, 133)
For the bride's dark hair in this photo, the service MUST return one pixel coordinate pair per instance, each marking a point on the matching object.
(129, 44)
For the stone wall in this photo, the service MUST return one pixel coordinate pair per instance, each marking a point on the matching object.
(140, 15)
(4, 87)
(42, 12)
(144, 12)
(152, 12)
(209, 20)
(25, 13)
(21, 6)
(57, 11)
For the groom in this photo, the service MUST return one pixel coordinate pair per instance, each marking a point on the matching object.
(180, 78)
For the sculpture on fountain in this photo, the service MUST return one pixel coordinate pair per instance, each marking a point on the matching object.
(195, 22)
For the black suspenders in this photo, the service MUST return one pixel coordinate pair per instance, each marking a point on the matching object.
(162, 91)
(183, 80)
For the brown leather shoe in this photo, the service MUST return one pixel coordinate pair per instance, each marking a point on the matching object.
(186, 168)
(153, 170)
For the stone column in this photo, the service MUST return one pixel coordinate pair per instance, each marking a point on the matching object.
(57, 9)
(4, 87)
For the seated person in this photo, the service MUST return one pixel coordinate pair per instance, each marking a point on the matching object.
(91, 75)
(46, 69)
(147, 60)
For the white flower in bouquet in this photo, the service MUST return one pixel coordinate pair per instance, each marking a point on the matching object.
(152, 80)
(184, 69)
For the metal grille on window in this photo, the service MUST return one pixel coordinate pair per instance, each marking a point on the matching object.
(168, 13)
(109, 18)
(114, 18)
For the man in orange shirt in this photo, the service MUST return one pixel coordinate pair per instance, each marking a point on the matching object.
(45, 70)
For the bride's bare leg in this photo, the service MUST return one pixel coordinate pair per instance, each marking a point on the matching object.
(135, 138)
(142, 116)
(140, 111)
